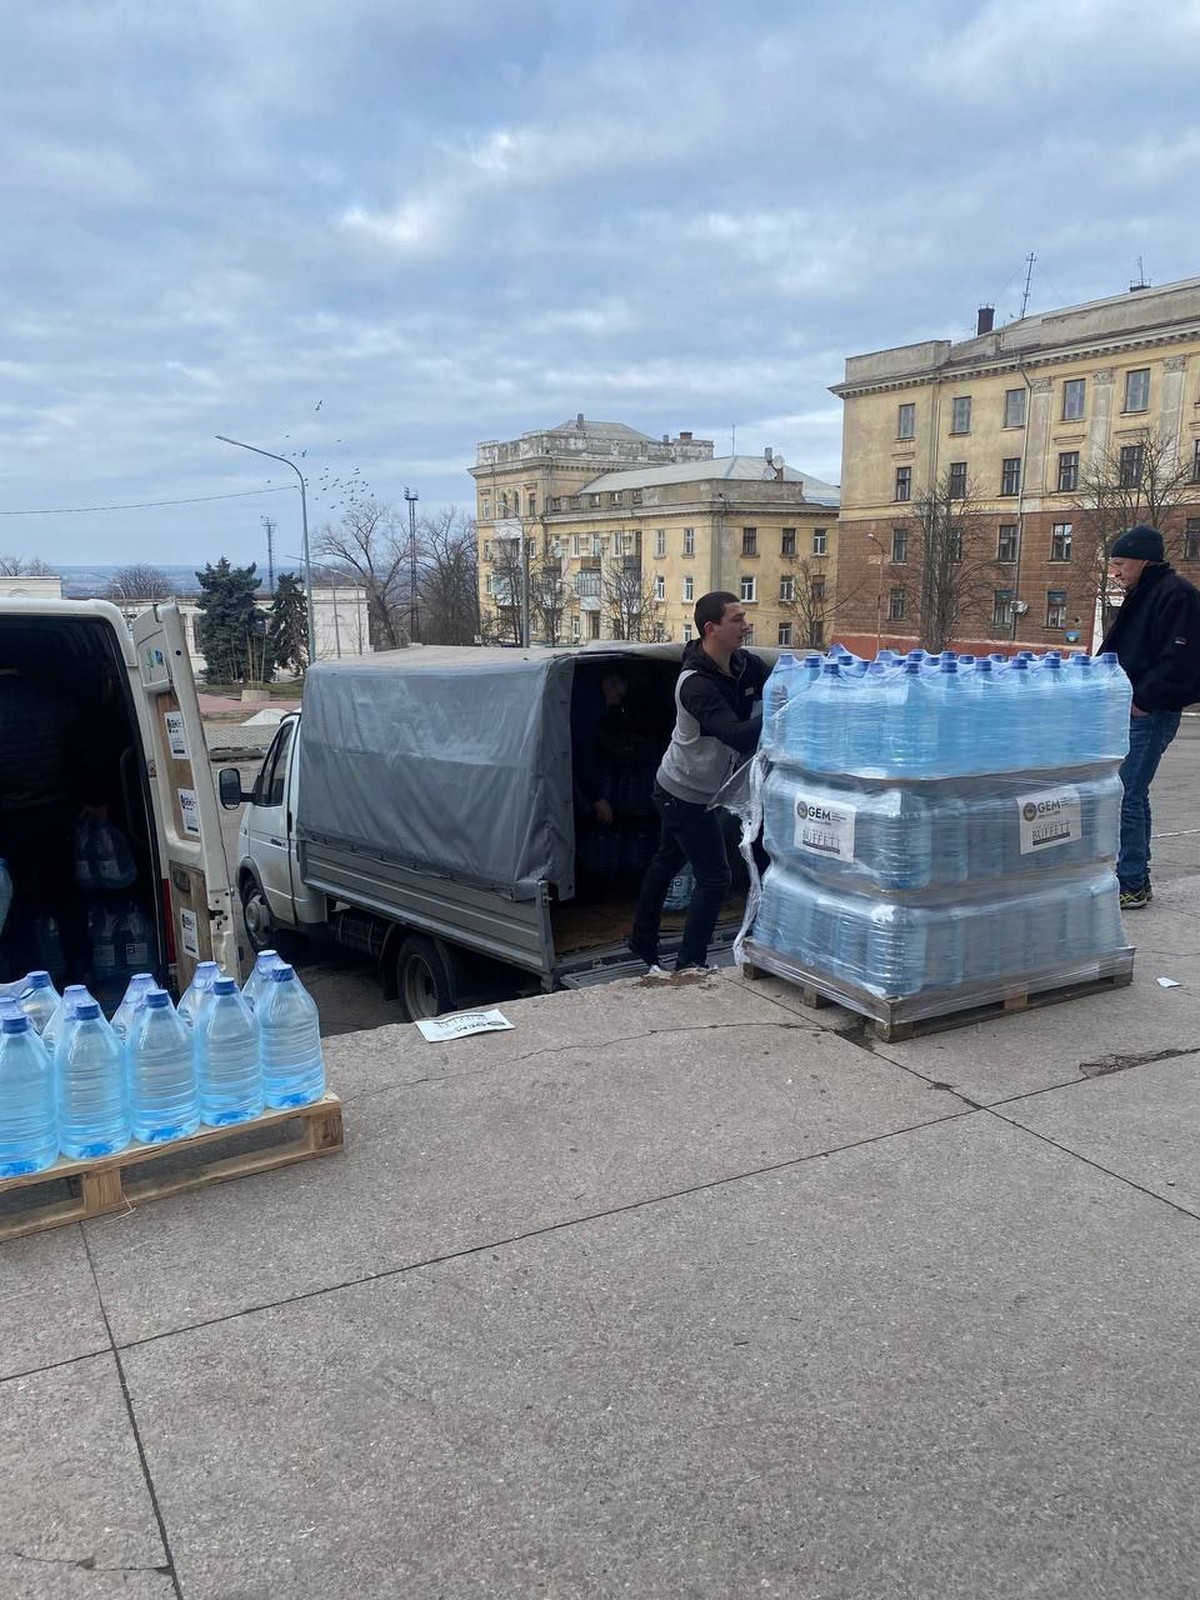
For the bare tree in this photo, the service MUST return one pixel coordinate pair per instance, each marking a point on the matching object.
(630, 602)
(548, 600)
(1142, 481)
(13, 566)
(449, 577)
(139, 582)
(501, 622)
(805, 598)
(371, 548)
(956, 571)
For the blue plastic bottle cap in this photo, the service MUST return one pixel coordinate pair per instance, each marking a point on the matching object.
(911, 666)
(947, 666)
(38, 980)
(284, 974)
(986, 665)
(224, 986)
(1020, 663)
(14, 1024)
(86, 1010)
(157, 998)
(1053, 661)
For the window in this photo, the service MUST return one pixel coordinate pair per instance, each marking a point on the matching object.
(689, 541)
(597, 545)
(960, 414)
(1010, 475)
(749, 541)
(787, 542)
(749, 588)
(1060, 542)
(531, 503)
(817, 588)
(1003, 601)
(618, 546)
(784, 637)
(1196, 462)
(1056, 608)
(594, 501)
(1008, 542)
(272, 783)
(575, 627)
(820, 539)
(556, 502)
(1074, 399)
(787, 589)
(906, 420)
(689, 588)
(1191, 539)
(688, 632)
(616, 497)
(660, 587)
(899, 545)
(485, 510)
(516, 502)
(1068, 471)
(660, 542)
(1130, 470)
(635, 497)
(1014, 407)
(896, 600)
(958, 480)
(577, 543)
(587, 584)
(903, 483)
(487, 550)
(1137, 389)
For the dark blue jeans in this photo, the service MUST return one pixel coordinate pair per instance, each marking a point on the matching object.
(696, 835)
(1149, 736)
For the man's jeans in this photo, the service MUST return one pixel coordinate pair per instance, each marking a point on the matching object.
(696, 835)
(1149, 736)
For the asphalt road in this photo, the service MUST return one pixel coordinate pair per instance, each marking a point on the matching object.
(346, 986)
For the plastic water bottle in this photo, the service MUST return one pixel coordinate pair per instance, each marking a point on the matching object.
(93, 1105)
(6, 892)
(914, 741)
(163, 1102)
(28, 1100)
(826, 708)
(260, 976)
(791, 732)
(292, 1060)
(775, 697)
(1021, 710)
(39, 999)
(138, 987)
(205, 975)
(952, 732)
(228, 1058)
(1119, 697)
(63, 1013)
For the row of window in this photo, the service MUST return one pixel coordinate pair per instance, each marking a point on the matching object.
(1008, 542)
(1073, 405)
(1010, 479)
(1003, 607)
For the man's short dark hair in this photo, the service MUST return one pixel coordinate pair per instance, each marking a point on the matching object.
(711, 608)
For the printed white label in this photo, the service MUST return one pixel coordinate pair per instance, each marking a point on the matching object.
(824, 828)
(189, 928)
(176, 738)
(444, 1028)
(189, 810)
(1049, 817)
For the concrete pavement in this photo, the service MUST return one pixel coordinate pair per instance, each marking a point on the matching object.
(674, 1290)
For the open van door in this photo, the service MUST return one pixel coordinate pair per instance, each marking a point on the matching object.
(196, 877)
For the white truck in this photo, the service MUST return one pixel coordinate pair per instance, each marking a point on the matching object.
(133, 698)
(425, 808)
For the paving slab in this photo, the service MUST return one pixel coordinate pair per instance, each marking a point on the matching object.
(949, 1363)
(545, 1133)
(1140, 1122)
(75, 1513)
(49, 1306)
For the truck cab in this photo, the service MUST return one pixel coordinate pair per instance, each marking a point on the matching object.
(269, 886)
(123, 696)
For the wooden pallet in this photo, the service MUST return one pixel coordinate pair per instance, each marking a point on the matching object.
(148, 1172)
(892, 1020)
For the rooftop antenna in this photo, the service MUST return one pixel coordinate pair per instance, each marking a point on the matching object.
(733, 438)
(1029, 260)
(1141, 279)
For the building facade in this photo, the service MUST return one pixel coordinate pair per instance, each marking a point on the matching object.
(600, 548)
(1048, 435)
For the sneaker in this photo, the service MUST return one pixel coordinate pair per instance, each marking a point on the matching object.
(643, 951)
(695, 967)
(1149, 891)
(1134, 899)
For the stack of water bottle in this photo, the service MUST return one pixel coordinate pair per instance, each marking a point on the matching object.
(76, 1085)
(935, 821)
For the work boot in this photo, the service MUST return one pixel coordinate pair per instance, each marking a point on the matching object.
(1134, 899)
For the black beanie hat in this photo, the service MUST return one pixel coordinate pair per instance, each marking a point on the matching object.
(1140, 543)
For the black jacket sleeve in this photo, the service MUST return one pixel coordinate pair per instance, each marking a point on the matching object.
(1172, 679)
(717, 718)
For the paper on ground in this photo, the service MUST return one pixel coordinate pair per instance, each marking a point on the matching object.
(1168, 983)
(457, 1027)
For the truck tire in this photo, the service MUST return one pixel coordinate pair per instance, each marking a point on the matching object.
(424, 978)
(260, 924)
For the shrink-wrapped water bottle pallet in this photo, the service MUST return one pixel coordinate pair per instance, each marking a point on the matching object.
(144, 1172)
(932, 1012)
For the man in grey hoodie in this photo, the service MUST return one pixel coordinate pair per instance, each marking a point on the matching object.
(715, 724)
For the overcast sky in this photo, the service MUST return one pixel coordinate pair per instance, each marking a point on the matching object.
(379, 231)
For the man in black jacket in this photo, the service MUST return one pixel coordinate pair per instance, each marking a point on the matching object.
(1156, 636)
(715, 723)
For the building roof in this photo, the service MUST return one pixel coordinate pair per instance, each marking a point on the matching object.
(602, 430)
(740, 469)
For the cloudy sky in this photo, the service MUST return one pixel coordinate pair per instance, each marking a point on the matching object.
(379, 231)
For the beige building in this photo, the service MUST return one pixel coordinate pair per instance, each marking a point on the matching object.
(1023, 421)
(624, 550)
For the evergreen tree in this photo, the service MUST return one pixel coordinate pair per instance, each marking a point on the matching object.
(231, 629)
(288, 631)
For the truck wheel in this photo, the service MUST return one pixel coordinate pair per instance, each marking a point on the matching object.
(424, 981)
(260, 924)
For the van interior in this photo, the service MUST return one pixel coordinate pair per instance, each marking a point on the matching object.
(73, 692)
(622, 714)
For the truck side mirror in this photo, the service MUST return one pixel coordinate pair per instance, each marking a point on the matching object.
(229, 787)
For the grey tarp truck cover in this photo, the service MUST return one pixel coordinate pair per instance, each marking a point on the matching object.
(452, 761)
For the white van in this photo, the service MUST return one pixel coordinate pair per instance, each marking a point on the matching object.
(133, 700)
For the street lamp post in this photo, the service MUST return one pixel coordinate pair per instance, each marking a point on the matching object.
(412, 497)
(308, 594)
(878, 560)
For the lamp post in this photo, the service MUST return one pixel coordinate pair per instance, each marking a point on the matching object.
(412, 497)
(878, 561)
(308, 594)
